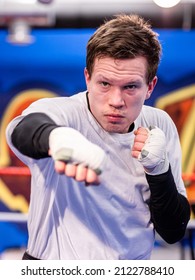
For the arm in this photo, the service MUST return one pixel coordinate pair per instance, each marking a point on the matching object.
(31, 135)
(170, 210)
(37, 136)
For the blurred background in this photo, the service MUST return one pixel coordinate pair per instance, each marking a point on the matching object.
(42, 54)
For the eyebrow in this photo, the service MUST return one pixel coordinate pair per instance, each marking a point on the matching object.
(135, 81)
(103, 78)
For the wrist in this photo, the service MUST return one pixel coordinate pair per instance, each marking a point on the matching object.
(161, 168)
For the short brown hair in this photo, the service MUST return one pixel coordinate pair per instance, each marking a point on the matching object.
(125, 36)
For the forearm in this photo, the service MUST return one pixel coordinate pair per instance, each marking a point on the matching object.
(170, 210)
(31, 135)
(36, 134)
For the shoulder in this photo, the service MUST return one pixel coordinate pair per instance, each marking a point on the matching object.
(153, 111)
(156, 117)
(60, 101)
(60, 108)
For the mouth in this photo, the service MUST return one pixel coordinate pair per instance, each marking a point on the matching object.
(114, 118)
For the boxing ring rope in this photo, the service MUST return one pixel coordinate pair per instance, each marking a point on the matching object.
(13, 217)
(24, 171)
(17, 171)
(22, 217)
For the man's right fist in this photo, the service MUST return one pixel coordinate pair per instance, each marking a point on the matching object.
(72, 148)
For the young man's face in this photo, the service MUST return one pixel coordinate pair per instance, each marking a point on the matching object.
(117, 90)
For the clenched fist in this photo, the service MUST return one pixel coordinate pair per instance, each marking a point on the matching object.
(150, 149)
(75, 156)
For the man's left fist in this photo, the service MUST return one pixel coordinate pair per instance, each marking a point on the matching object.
(150, 150)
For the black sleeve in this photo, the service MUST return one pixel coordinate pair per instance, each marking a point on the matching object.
(31, 135)
(170, 210)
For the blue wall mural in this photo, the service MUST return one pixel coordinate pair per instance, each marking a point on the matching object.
(53, 65)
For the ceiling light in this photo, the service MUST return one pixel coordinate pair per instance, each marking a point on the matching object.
(166, 3)
(19, 33)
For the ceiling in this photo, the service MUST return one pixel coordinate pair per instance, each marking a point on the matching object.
(90, 13)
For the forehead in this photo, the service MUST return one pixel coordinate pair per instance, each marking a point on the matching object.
(111, 67)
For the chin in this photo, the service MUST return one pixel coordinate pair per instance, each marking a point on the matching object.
(111, 128)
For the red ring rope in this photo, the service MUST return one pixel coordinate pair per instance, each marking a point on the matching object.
(13, 170)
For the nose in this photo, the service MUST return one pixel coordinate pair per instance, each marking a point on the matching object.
(116, 98)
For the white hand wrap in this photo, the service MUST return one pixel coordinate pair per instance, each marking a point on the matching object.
(153, 156)
(69, 145)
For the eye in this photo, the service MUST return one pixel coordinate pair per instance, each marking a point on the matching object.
(130, 87)
(104, 84)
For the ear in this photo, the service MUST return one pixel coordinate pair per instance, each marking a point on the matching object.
(87, 76)
(151, 87)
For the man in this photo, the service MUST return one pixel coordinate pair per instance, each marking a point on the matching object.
(105, 168)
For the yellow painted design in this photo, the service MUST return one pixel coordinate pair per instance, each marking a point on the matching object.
(15, 103)
(187, 134)
(175, 96)
(187, 138)
(15, 202)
